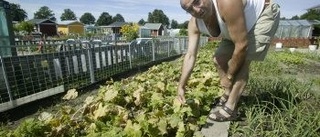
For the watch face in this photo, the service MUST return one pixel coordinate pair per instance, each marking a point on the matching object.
(229, 77)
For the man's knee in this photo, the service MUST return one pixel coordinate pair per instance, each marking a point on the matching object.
(243, 74)
(215, 62)
(220, 60)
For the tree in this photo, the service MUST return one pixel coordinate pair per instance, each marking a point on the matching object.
(118, 18)
(104, 19)
(296, 17)
(174, 24)
(183, 32)
(87, 18)
(141, 22)
(44, 13)
(157, 16)
(53, 18)
(130, 31)
(17, 14)
(282, 18)
(25, 26)
(68, 15)
(311, 15)
(183, 25)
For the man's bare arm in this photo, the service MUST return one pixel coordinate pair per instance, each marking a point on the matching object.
(190, 57)
(235, 21)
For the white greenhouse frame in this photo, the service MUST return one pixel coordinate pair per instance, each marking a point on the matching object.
(295, 28)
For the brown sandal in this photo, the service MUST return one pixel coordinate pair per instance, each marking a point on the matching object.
(222, 118)
(221, 102)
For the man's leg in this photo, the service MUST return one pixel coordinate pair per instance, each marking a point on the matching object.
(220, 59)
(239, 84)
(221, 64)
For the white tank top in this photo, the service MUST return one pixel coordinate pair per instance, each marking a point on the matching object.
(252, 11)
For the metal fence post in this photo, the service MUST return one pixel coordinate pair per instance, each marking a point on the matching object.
(153, 52)
(185, 44)
(91, 68)
(180, 45)
(130, 54)
(29, 50)
(168, 49)
(5, 79)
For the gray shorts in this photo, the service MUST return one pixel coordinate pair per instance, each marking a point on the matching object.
(259, 37)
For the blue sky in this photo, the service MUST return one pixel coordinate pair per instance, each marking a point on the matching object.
(134, 10)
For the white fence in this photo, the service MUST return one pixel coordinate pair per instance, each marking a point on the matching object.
(36, 73)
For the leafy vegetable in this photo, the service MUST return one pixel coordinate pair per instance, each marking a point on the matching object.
(142, 105)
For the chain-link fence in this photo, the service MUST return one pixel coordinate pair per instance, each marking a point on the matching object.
(44, 69)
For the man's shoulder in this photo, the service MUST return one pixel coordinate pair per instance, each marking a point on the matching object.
(230, 9)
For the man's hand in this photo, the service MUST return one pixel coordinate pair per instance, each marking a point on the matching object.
(181, 91)
(226, 82)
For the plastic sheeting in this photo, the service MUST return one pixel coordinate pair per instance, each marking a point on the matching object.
(4, 34)
(295, 28)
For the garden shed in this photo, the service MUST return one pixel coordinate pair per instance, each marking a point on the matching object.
(45, 26)
(296, 28)
(144, 32)
(70, 27)
(157, 29)
(113, 28)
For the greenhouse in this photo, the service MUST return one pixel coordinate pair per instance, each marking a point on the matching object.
(296, 28)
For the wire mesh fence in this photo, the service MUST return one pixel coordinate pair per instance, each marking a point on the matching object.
(42, 70)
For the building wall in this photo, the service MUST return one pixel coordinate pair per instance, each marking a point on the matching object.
(106, 30)
(63, 29)
(48, 30)
(160, 31)
(154, 33)
(76, 29)
(72, 28)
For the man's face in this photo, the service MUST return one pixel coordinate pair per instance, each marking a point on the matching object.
(197, 8)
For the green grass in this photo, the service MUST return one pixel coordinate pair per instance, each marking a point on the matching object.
(276, 105)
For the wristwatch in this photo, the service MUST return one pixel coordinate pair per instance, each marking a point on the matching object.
(230, 77)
